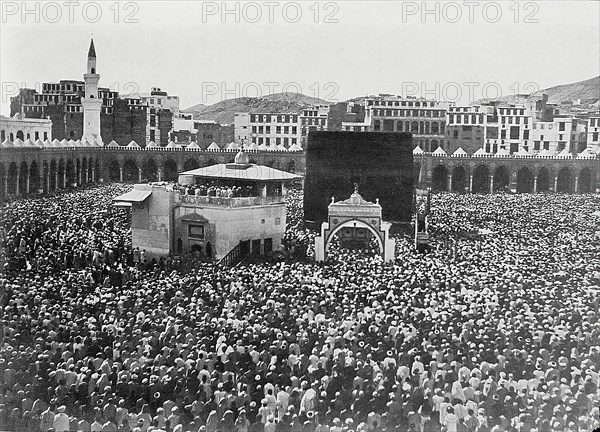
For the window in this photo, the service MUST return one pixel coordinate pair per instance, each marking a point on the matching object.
(514, 132)
(526, 134)
(277, 221)
(536, 145)
(561, 126)
(196, 231)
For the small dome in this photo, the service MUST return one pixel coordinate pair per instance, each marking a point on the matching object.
(242, 158)
(7, 144)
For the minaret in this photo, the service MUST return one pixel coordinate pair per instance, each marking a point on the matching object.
(90, 102)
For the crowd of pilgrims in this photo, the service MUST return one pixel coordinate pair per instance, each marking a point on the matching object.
(495, 329)
(215, 189)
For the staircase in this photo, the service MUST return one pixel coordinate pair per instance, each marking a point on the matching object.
(236, 255)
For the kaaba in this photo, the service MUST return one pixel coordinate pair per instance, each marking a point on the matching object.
(379, 163)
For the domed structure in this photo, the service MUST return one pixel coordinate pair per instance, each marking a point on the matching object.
(241, 158)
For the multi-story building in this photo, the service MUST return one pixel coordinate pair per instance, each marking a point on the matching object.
(202, 132)
(161, 100)
(593, 132)
(425, 119)
(269, 129)
(34, 129)
(122, 119)
(466, 127)
(347, 116)
(313, 118)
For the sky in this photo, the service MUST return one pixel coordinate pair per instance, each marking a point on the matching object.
(205, 52)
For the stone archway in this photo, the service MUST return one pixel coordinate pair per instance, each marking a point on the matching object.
(459, 179)
(355, 213)
(501, 179)
(34, 177)
(171, 173)
(564, 181)
(439, 178)
(481, 180)
(114, 171)
(524, 181)
(543, 180)
(150, 170)
(22, 185)
(53, 175)
(70, 173)
(130, 171)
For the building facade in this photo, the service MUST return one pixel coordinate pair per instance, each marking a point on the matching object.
(15, 127)
(424, 119)
(268, 129)
(313, 118)
(207, 217)
(122, 119)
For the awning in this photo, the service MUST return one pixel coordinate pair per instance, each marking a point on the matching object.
(121, 204)
(134, 196)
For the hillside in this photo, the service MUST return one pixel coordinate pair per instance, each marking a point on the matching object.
(588, 91)
(224, 111)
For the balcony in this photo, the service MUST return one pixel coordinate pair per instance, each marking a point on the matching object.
(210, 201)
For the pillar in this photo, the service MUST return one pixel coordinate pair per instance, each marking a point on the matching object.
(449, 187)
(121, 174)
(27, 181)
(56, 179)
(161, 173)
(18, 181)
(48, 181)
(471, 182)
(93, 172)
(263, 190)
(491, 183)
(535, 183)
(139, 175)
(65, 178)
(87, 175)
(576, 183)
(555, 183)
(283, 192)
(6, 184)
(79, 175)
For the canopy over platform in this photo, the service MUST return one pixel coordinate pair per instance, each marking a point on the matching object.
(132, 197)
(247, 172)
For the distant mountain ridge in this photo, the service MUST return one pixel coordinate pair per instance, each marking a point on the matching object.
(224, 111)
(588, 91)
